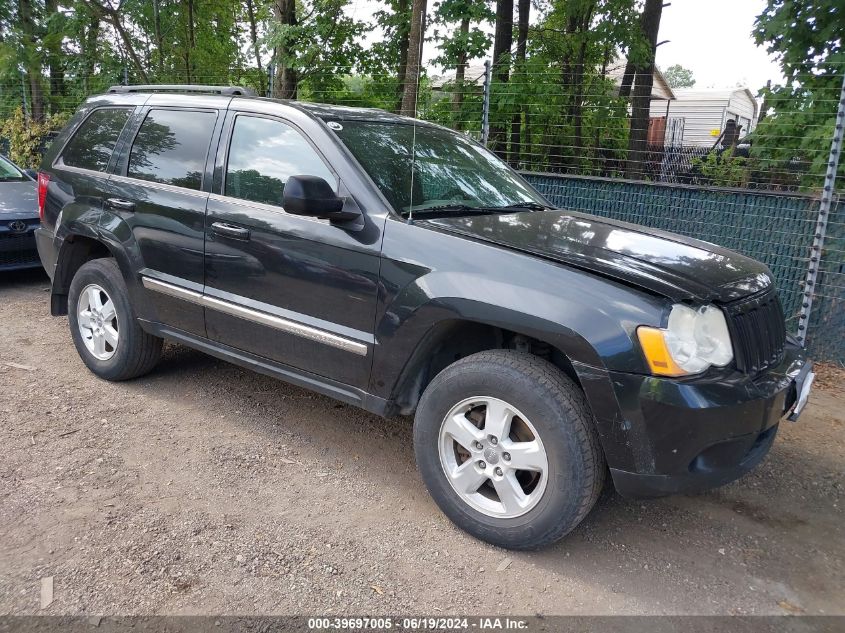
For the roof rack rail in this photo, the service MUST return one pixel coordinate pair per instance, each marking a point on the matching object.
(220, 90)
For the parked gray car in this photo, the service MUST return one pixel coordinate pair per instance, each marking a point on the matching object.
(18, 218)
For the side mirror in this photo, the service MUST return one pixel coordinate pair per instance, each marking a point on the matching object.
(313, 196)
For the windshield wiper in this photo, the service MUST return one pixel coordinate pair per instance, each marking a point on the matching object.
(532, 206)
(463, 209)
(484, 210)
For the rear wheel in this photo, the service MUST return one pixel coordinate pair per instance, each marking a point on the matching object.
(104, 327)
(507, 447)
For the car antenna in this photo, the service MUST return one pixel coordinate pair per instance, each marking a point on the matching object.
(414, 132)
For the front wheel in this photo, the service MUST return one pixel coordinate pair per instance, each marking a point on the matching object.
(508, 450)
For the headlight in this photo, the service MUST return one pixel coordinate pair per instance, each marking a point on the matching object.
(693, 340)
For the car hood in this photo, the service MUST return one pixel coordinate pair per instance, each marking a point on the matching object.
(665, 263)
(18, 200)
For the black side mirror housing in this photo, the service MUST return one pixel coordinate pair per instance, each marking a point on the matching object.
(313, 196)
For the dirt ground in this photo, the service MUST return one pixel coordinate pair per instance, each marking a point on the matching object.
(204, 488)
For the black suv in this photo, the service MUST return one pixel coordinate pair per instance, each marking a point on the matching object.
(401, 267)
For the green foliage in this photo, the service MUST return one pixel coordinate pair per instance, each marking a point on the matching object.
(26, 139)
(323, 46)
(721, 169)
(679, 77)
(446, 32)
(806, 37)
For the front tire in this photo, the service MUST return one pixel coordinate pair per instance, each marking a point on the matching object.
(507, 447)
(104, 327)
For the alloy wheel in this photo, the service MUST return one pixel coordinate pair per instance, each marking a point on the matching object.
(98, 323)
(493, 457)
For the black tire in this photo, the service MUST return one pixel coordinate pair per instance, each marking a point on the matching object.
(557, 409)
(136, 352)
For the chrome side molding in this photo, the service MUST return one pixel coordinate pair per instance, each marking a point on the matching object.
(256, 316)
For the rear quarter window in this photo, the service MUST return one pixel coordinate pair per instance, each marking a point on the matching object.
(92, 145)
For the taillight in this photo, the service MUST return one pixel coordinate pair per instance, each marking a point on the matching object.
(43, 181)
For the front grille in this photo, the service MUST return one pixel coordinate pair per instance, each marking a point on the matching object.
(758, 331)
(17, 249)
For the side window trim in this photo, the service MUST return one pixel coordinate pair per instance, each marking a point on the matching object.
(124, 143)
(223, 157)
(122, 169)
(59, 160)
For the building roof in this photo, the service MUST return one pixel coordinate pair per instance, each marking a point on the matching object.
(475, 74)
(660, 88)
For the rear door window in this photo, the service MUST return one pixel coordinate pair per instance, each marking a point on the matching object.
(171, 147)
(93, 143)
(263, 154)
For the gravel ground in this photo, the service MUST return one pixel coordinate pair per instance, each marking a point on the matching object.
(204, 488)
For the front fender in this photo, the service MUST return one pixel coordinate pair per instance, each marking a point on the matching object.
(592, 324)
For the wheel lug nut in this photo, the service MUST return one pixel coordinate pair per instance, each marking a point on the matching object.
(499, 472)
(479, 445)
(481, 464)
(493, 440)
(506, 457)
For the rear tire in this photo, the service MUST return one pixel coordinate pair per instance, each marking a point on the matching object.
(548, 430)
(104, 327)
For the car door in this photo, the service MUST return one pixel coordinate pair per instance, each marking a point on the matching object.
(296, 290)
(159, 192)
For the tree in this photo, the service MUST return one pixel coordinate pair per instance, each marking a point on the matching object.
(577, 122)
(316, 43)
(460, 45)
(502, 43)
(679, 77)
(643, 83)
(524, 8)
(806, 38)
(414, 65)
(285, 80)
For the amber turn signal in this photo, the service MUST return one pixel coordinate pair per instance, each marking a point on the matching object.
(657, 353)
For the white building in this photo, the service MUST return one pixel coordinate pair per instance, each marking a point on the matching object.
(697, 117)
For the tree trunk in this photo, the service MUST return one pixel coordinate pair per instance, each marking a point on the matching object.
(627, 79)
(524, 7)
(412, 68)
(460, 76)
(256, 49)
(403, 32)
(285, 81)
(503, 40)
(32, 63)
(158, 38)
(89, 50)
(189, 40)
(54, 60)
(576, 108)
(641, 98)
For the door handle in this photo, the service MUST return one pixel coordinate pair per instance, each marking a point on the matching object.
(229, 230)
(119, 203)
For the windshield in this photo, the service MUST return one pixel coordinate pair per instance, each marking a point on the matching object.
(449, 169)
(10, 173)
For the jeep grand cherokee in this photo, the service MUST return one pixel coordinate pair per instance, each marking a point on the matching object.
(401, 267)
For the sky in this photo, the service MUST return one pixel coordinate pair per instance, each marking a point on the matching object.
(713, 39)
(710, 37)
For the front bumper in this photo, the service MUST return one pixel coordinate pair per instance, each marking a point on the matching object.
(695, 434)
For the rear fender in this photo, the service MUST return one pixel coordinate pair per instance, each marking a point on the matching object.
(78, 222)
